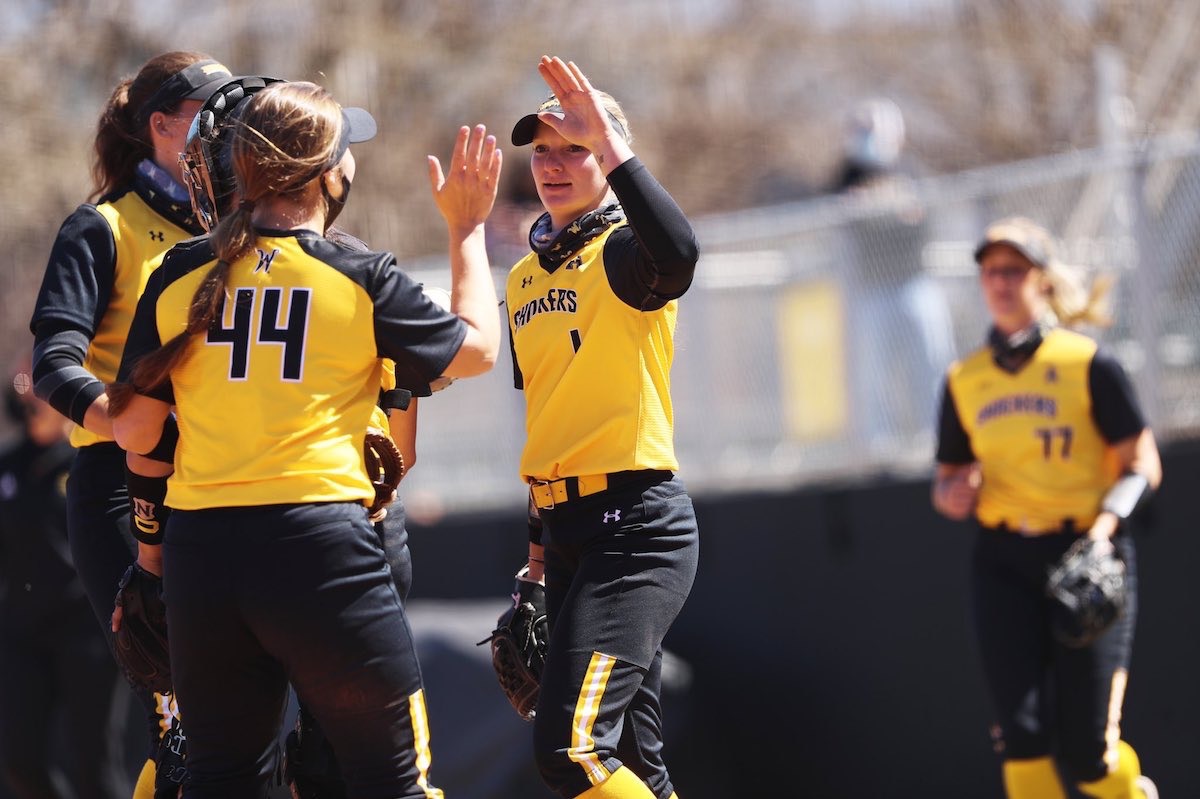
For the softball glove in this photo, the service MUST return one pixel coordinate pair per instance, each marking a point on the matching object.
(1087, 592)
(519, 645)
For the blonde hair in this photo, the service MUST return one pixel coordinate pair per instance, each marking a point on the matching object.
(1071, 297)
(616, 112)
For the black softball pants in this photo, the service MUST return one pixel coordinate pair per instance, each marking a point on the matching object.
(102, 548)
(619, 566)
(1049, 699)
(261, 596)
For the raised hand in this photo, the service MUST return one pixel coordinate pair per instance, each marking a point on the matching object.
(583, 120)
(465, 194)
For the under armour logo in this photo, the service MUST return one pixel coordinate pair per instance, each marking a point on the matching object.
(574, 262)
(613, 515)
(264, 260)
(156, 235)
(526, 282)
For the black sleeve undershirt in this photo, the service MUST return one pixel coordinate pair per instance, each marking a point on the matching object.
(954, 445)
(652, 260)
(1114, 403)
(74, 295)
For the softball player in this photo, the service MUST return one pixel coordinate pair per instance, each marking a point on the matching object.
(273, 570)
(99, 264)
(1042, 440)
(311, 766)
(592, 317)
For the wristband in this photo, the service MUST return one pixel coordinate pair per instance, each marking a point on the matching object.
(147, 512)
(1128, 494)
(535, 530)
(399, 398)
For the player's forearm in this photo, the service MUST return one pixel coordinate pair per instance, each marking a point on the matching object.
(537, 562)
(473, 298)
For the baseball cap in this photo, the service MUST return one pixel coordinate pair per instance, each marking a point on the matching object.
(526, 127)
(1023, 235)
(357, 126)
(194, 82)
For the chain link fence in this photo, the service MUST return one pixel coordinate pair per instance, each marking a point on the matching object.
(813, 343)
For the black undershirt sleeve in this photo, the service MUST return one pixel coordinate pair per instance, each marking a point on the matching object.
(1114, 403)
(77, 284)
(73, 298)
(652, 260)
(59, 377)
(954, 445)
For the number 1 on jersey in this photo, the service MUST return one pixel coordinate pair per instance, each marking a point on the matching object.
(576, 341)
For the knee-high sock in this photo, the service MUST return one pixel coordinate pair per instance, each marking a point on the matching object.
(621, 784)
(1118, 783)
(1035, 778)
(145, 782)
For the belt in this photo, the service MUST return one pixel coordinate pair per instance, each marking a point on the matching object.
(1067, 526)
(548, 493)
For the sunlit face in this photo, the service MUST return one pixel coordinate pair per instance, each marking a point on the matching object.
(568, 179)
(1013, 288)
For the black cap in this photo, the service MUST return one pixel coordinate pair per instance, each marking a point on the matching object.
(526, 127)
(357, 126)
(197, 81)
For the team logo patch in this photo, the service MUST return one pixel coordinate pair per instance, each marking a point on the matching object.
(264, 260)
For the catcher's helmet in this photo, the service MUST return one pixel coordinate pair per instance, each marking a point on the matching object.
(207, 169)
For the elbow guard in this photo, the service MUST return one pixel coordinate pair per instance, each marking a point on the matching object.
(148, 514)
(1128, 494)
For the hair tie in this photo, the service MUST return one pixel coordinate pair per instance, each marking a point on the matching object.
(246, 205)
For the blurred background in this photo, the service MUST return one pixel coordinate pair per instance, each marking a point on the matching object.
(839, 160)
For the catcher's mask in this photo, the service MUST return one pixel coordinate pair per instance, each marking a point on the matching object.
(207, 169)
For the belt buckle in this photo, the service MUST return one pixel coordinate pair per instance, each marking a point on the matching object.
(545, 486)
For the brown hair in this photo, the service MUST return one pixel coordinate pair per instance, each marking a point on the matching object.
(285, 138)
(121, 143)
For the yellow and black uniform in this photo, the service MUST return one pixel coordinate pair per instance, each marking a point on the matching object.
(98, 267)
(633, 427)
(1041, 428)
(274, 572)
(592, 319)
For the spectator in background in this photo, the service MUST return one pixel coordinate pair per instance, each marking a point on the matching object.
(901, 334)
(54, 662)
